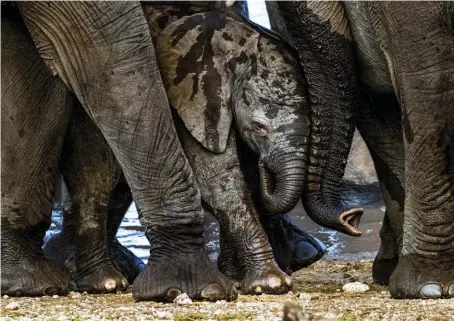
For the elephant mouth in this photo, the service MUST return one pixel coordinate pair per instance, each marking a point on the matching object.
(350, 221)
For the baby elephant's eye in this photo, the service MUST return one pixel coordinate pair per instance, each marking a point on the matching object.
(259, 128)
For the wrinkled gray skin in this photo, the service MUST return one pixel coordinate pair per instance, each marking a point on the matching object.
(246, 256)
(405, 62)
(103, 52)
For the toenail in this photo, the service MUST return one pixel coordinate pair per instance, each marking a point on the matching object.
(173, 293)
(288, 281)
(430, 291)
(258, 290)
(51, 290)
(213, 291)
(124, 283)
(274, 282)
(451, 290)
(110, 285)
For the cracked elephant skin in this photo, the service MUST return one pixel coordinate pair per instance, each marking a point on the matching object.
(246, 255)
(404, 62)
(103, 53)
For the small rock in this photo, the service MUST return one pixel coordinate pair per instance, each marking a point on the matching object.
(355, 287)
(292, 313)
(304, 299)
(55, 296)
(222, 302)
(163, 315)
(12, 306)
(182, 299)
(75, 295)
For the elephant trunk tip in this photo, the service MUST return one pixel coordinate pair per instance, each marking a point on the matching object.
(332, 216)
(350, 221)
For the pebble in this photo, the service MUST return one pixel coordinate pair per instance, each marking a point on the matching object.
(222, 302)
(355, 287)
(75, 295)
(162, 314)
(12, 306)
(182, 299)
(304, 299)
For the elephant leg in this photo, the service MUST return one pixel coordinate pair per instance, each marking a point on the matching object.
(246, 256)
(104, 53)
(380, 124)
(124, 260)
(91, 172)
(422, 61)
(59, 246)
(35, 109)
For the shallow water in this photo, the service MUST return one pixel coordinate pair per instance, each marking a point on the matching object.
(340, 246)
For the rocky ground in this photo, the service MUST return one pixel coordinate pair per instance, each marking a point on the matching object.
(317, 291)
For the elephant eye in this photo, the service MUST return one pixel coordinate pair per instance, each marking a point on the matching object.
(259, 128)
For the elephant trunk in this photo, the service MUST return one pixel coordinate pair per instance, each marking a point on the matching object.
(281, 182)
(321, 36)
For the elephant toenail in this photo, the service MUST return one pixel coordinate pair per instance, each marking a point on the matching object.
(430, 291)
(274, 282)
(110, 285)
(213, 291)
(451, 290)
(258, 290)
(51, 290)
(124, 283)
(172, 293)
(288, 281)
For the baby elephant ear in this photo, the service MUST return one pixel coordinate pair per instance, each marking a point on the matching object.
(193, 63)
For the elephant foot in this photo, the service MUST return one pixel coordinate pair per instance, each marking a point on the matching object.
(32, 276)
(293, 249)
(95, 277)
(164, 278)
(269, 280)
(58, 248)
(125, 261)
(105, 279)
(418, 277)
(382, 269)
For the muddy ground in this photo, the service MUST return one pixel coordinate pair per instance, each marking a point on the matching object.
(317, 290)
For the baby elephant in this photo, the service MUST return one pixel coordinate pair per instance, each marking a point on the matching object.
(221, 72)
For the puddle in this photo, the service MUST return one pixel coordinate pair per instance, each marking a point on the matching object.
(340, 246)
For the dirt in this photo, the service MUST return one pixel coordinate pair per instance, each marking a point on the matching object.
(317, 291)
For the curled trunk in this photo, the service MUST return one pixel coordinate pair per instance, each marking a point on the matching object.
(281, 182)
(321, 36)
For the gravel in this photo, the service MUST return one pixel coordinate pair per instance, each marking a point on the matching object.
(317, 295)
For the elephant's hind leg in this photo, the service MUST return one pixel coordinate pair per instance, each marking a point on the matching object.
(380, 124)
(35, 109)
(91, 172)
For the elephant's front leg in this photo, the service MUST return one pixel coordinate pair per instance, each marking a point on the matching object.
(35, 111)
(104, 52)
(421, 41)
(246, 256)
(91, 172)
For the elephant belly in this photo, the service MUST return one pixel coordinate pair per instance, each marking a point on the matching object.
(374, 70)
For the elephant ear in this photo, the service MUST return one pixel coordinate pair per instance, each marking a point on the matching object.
(197, 55)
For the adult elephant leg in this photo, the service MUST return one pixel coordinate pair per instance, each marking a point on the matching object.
(123, 259)
(380, 124)
(91, 172)
(35, 110)
(104, 52)
(422, 45)
(246, 256)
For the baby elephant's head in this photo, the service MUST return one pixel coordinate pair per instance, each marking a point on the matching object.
(218, 70)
